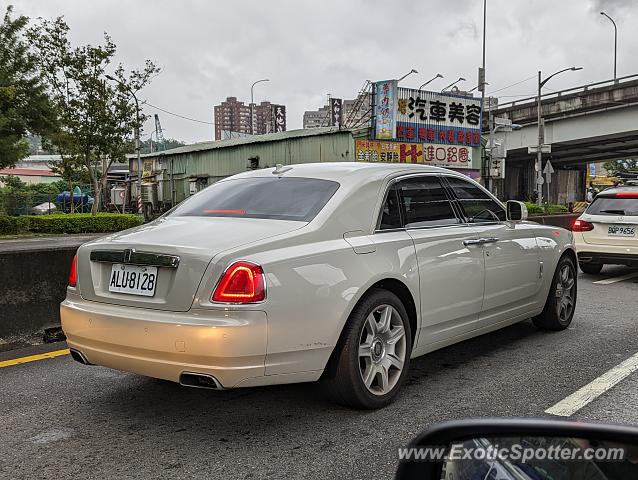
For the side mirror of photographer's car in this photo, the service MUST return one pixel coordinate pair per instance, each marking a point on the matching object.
(520, 449)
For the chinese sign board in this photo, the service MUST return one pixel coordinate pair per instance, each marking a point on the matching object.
(147, 168)
(279, 118)
(336, 112)
(427, 117)
(449, 156)
(385, 109)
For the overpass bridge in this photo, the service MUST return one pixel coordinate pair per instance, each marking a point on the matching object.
(589, 123)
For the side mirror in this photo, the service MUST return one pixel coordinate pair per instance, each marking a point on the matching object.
(516, 211)
(523, 449)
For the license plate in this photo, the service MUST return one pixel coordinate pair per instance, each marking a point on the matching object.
(621, 231)
(133, 280)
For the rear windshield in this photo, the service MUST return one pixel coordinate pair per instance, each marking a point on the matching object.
(613, 206)
(278, 198)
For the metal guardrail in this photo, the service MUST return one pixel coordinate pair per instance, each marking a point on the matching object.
(560, 93)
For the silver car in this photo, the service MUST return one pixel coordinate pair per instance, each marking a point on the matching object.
(334, 271)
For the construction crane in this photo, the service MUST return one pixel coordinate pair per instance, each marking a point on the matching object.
(159, 136)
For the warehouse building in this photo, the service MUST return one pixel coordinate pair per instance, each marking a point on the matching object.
(169, 176)
(182, 171)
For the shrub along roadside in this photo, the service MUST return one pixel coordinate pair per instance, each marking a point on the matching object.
(68, 223)
(546, 209)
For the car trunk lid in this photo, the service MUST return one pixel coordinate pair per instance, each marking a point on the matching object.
(180, 247)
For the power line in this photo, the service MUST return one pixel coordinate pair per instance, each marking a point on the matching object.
(178, 115)
(513, 85)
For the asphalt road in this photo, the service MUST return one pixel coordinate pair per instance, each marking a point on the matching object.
(59, 419)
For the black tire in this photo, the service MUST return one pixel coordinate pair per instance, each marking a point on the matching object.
(561, 300)
(591, 268)
(346, 383)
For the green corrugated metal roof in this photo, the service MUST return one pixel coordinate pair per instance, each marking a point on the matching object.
(270, 137)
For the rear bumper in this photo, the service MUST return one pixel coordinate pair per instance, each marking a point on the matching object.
(228, 345)
(608, 258)
(601, 253)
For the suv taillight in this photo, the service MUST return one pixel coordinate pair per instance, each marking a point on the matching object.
(242, 282)
(73, 276)
(582, 226)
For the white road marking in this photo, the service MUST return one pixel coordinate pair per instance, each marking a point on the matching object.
(608, 281)
(577, 400)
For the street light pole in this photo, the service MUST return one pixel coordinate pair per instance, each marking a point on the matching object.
(409, 73)
(461, 79)
(615, 40)
(137, 142)
(252, 101)
(438, 75)
(539, 153)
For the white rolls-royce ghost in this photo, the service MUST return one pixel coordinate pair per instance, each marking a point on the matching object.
(334, 271)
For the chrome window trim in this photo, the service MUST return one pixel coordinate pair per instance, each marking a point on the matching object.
(406, 177)
(130, 256)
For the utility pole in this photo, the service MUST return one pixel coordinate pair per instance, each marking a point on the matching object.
(481, 87)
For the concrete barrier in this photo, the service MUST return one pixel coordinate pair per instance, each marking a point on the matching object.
(565, 220)
(33, 279)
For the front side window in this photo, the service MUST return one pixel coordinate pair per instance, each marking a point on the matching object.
(278, 198)
(425, 203)
(478, 206)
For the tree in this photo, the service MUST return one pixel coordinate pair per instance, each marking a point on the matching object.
(12, 182)
(96, 116)
(167, 145)
(24, 103)
(616, 166)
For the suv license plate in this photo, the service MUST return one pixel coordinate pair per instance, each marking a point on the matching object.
(621, 231)
(133, 279)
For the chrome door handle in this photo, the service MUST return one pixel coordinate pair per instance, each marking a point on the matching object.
(480, 241)
(473, 241)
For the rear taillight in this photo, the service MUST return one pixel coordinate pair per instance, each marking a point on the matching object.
(627, 195)
(582, 226)
(73, 276)
(242, 282)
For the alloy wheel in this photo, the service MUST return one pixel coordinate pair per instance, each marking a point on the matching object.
(565, 287)
(382, 349)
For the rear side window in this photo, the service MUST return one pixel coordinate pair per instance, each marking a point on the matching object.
(616, 205)
(425, 203)
(390, 217)
(478, 206)
(279, 198)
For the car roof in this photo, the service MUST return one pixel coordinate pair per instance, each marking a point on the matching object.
(346, 172)
(619, 189)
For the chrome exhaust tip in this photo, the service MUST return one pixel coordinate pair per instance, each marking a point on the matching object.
(199, 380)
(79, 357)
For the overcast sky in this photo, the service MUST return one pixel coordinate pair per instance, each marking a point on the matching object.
(209, 50)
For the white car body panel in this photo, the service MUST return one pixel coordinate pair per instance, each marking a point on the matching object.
(315, 274)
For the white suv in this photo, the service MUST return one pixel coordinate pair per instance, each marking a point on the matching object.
(606, 232)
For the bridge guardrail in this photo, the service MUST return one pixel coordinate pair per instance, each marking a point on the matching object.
(560, 93)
